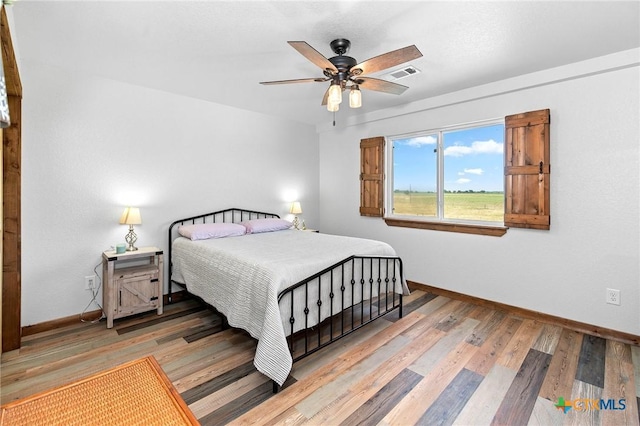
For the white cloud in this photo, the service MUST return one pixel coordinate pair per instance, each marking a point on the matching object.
(463, 180)
(474, 171)
(477, 147)
(421, 140)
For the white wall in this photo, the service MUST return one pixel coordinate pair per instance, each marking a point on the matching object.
(93, 146)
(595, 185)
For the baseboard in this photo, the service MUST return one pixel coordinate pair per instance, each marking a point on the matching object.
(86, 316)
(60, 322)
(581, 327)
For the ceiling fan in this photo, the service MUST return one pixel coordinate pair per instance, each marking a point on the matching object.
(345, 72)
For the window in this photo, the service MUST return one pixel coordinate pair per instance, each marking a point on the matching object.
(477, 179)
(448, 175)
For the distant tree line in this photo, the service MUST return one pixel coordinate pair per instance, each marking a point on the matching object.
(466, 191)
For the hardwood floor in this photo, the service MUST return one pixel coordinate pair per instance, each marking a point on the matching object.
(445, 362)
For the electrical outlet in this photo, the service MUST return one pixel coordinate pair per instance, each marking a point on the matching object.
(613, 296)
(90, 282)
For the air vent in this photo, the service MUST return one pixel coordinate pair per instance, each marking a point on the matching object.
(401, 73)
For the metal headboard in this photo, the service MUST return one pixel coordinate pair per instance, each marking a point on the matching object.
(232, 215)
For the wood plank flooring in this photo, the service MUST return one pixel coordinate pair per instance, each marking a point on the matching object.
(445, 362)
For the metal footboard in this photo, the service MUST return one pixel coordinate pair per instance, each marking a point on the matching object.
(338, 300)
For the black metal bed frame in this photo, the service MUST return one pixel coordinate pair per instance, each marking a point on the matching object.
(339, 284)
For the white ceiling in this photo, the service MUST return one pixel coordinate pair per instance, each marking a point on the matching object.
(219, 51)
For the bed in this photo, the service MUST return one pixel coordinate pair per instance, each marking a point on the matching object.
(294, 291)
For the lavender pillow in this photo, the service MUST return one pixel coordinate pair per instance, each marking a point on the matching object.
(256, 226)
(204, 231)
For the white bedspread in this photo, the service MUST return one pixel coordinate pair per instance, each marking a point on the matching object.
(242, 276)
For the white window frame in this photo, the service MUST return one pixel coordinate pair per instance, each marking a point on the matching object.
(388, 184)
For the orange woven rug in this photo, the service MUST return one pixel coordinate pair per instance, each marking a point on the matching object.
(135, 393)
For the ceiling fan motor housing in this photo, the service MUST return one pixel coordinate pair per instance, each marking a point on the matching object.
(342, 63)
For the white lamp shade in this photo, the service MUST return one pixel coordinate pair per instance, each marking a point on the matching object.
(295, 208)
(131, 216)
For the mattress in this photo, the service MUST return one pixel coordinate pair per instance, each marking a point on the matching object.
(242, 277)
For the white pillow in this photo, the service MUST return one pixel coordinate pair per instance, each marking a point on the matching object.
(204, 231)
(256, 226)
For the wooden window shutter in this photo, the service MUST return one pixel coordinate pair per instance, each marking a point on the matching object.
(527, 170)
(372, 176)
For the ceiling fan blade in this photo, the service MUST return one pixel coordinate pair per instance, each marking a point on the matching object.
(378, 85)
(388, 60)
(313, 55)
(299, 80)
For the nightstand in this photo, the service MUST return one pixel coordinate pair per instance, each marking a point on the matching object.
(132, 282)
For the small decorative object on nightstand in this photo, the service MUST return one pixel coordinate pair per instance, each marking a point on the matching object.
(132, 282)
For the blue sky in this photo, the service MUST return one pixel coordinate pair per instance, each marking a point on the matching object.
(473, 159)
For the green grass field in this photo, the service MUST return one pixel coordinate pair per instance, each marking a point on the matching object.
(466, 206)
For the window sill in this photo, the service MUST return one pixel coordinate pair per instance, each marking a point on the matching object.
(493, 231)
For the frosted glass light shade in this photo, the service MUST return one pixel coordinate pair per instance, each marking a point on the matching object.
(355, 97)
(335, 94)
(331, 107)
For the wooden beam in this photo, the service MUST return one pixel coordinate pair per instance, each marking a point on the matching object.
(11, 190)
(12, 252)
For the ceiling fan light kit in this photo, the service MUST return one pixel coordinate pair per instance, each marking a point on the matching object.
(345, 72)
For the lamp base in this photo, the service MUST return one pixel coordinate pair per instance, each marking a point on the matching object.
(296, 222)
(131, 238)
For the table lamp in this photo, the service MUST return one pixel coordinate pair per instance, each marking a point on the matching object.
(131, 216)
(295, 210)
